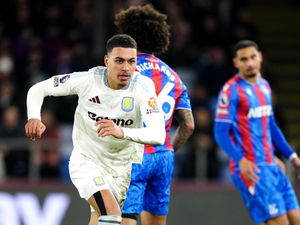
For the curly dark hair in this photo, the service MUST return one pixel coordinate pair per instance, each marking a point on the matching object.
(147, 26)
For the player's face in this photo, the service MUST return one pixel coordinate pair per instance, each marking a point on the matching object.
(248, 62)
(120, 63)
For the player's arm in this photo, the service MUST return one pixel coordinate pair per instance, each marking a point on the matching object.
(154, 132)
(55, 86)
(281, 144)
(225, 115)
(222, 136)
(280, 141)
(185, 127)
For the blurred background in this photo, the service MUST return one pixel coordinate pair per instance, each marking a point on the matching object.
(39, 39)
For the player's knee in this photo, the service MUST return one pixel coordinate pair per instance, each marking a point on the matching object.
(109, 220)
(283, 219)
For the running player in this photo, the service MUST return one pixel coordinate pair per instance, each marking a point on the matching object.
(114, 103)
(246, 130)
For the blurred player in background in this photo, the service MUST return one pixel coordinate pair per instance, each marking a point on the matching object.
(114, 102)
(246, 130)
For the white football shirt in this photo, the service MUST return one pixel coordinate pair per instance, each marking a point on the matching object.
(134, 108)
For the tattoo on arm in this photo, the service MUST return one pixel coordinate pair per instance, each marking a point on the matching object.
(185, 128)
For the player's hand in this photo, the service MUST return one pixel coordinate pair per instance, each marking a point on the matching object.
(34, 129)
(249, 170)
(296, 164)
(280, 164)
(108, 127)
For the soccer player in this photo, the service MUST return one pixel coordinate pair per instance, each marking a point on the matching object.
(149, 190)
(114, 104)
(246, 130)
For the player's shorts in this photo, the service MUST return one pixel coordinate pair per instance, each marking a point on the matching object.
(90, 177)
(149, 189)
(272, 196)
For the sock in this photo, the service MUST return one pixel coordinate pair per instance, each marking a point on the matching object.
(109, 220)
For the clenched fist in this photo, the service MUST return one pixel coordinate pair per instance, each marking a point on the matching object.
(34, 129)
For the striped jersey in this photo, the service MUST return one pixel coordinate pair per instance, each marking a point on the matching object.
(172, 93)
(248, 108)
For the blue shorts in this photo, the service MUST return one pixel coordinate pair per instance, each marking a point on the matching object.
(272, 196)
(149, 188)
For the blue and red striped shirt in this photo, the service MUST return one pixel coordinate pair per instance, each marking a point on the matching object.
(172, 93)
(248, 108)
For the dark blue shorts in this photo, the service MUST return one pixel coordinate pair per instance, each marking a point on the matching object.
(272, 196)
(149, 188)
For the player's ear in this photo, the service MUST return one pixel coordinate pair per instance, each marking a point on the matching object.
(106, 60)
(234, 60)
(260, 56)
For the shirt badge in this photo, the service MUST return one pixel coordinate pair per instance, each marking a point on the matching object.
(249, 92)
(98, 181)
(127, 104)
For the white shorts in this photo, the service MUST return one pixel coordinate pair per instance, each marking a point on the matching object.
(90, 177)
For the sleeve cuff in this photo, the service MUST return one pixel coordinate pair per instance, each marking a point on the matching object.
(292, 156)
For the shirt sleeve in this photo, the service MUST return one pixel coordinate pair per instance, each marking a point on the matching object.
(183, 101)
(226, 106)
(225, 114)
(279, 140)
(59, 85)
(222, 136)
(153, 133)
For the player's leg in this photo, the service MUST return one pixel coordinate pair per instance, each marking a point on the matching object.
(129, 219)
(279, 220)
(150, 219)
(294, 217)
(266, 200)
(104, 192)
(133, 204)
(157, 194)
(291, 201)
(106, 206)
(94, 218)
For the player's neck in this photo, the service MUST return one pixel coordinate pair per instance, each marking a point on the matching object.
(251, 79)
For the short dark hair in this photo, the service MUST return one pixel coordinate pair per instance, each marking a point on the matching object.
(147, 26)
(243, 44)
(120, 40)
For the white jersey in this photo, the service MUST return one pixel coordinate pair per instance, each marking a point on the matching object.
(129, 108)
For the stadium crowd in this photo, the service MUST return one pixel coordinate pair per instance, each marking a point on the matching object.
(39, 39)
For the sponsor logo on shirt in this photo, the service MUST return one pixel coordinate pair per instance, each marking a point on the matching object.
(95, 100)
(55, 82)
(127, 104)
(260, 111)
(152, 103)
(64, 78)
(119, 122)
(61, 80)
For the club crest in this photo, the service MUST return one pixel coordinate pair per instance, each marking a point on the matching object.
(98, 181)
(127, 104)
